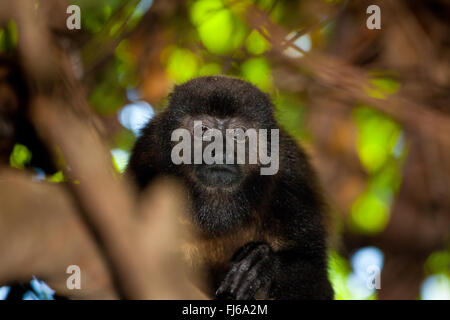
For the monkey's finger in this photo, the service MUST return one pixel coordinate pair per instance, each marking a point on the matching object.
(255, 279)
(244, 267)
(225, 286)
(226, 283)
(245, 250)
(238, 272)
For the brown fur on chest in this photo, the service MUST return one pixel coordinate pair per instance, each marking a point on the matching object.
(205, 251)
(217, 251)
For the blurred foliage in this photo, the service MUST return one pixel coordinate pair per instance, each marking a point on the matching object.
(257, 71)
(110, 92)
(8, 37)
(438, 262)
(290, 112)
(256, 44)
(381, 150)
(377, 137)
(382, 84)
(182, 65)
(124, 139)
(220, 29)
(95, 14)
(56, 177)
(340, 272)
(20, 156)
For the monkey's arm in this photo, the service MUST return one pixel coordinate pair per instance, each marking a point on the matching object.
(302, 267)
(297, 270)
(300, 276)
(260, 272)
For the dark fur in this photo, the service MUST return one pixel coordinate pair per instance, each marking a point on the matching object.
(268, 233)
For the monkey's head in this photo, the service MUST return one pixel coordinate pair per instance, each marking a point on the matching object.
(218, 112)
(207, 109)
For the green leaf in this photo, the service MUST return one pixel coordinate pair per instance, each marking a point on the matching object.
(377, 137)
(182, 65)
(20, 156)
(256, 44)
(382, 85)
(438, 262)
(257, 71)
(338, 271)
(220, 30)
(57, 177)
(369, 214)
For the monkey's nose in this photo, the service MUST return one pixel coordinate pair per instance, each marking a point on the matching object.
(224, 168)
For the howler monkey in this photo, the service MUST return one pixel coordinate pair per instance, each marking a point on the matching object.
(260, 236)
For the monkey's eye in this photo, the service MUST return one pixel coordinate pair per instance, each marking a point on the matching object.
(239, 134)
(200, 131)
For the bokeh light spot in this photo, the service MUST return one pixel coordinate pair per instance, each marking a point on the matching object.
(135, 116)
(436, 287)
(120, 159)
(303, 42)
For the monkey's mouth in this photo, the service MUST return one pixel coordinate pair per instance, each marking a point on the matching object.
(218, 175)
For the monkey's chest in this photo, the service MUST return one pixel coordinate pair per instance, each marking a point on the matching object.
(215, 252)
(210, 258)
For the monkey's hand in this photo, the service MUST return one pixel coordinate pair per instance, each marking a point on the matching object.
(251, 272)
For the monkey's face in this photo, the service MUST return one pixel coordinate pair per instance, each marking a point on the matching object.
(223, 116)
(219, 151)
